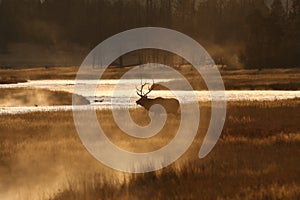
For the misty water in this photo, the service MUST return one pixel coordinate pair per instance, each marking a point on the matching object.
(103, 97)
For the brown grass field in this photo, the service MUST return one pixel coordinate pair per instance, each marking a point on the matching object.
(257, 157)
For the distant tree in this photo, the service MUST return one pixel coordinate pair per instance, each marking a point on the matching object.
(255, 44)
(292, 39)
(166, 13)
(266, 41)
(184, 11)
(265, 36)
(275, 35)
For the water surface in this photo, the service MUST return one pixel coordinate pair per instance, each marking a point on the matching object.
(103, 97)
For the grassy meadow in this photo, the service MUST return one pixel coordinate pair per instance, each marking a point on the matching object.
(257, 157)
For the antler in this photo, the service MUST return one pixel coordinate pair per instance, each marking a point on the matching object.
(140, 91)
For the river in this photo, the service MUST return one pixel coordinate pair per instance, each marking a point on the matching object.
(104, 95)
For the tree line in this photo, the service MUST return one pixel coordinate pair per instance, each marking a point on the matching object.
(246, 33)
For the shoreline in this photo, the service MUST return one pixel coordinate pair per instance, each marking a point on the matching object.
(238, 79)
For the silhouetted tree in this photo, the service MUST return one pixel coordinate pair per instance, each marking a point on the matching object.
(263, 36)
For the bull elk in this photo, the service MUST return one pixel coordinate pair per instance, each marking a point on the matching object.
(171, 105)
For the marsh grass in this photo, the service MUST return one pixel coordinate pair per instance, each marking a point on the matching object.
(257, 157)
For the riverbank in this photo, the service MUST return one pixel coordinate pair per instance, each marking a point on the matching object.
(264, 79)
(255, 158)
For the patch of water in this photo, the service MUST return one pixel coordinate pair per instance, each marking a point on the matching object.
(103, 97)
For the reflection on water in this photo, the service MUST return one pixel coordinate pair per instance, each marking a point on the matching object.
(103, 97)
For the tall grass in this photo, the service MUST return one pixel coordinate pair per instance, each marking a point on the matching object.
(257, 157)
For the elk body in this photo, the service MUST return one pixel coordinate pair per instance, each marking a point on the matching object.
(171, 105)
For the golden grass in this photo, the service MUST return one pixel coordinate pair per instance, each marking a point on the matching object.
(257, 157)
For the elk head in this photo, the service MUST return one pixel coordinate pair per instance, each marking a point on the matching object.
(144, 99)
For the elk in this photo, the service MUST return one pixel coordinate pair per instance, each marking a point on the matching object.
(171, 105)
